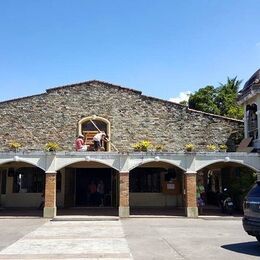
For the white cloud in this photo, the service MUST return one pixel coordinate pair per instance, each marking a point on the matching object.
(182, 96)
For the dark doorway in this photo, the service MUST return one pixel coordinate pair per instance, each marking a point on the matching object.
(93, 187)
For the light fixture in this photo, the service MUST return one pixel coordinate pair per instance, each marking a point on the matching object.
(227, 159)
(16, 158)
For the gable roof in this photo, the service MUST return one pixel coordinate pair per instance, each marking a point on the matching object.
(104, 83)
(91, 83)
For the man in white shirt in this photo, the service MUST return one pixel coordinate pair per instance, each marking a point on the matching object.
(98, 138)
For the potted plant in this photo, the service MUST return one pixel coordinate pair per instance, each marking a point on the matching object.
(212, 147)
(15, 146)
(189, 147)
(158, 148)
(223, 148)
(51, 147)
(142, 146)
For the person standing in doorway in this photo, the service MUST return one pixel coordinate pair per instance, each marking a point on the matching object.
(92, 188)
(200, 192)
(98, 139)
(101, 191)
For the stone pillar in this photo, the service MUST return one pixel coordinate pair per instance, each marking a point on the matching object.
(50, 209)
(124, 194)
(190, 195)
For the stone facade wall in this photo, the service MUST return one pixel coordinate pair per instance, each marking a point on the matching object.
(53, 116)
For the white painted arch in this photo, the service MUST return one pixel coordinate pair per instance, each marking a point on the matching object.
(237, 162)
(127, 162)
(155, 160)
(22, 160)
(108, 163)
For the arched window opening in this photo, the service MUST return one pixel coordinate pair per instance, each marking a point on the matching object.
(90, 126)
(251, 112)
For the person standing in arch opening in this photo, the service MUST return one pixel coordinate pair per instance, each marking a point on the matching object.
(101, 192)
(98, 138)
(200, 194)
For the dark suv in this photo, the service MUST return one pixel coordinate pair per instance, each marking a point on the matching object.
(251, 219)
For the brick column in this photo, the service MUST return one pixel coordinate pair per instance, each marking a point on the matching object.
(190, 195)
(50, 209)
(124, 194)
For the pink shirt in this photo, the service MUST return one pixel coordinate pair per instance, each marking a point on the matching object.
(79, 144)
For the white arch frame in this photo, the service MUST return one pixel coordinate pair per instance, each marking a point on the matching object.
(157, 161)
(230, 161)
(94, 117)
(21, 160)
(98, 161)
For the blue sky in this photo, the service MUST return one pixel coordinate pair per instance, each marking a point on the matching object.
(161, 48)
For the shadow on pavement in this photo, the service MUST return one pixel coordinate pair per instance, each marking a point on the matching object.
(248, 248)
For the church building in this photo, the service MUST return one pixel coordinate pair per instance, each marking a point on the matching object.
(154, 154)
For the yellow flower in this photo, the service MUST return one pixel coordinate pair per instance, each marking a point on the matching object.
(223, 147)
(189, 147)
(142, 146)
(211, 147)
(51, 146)
(15, 145)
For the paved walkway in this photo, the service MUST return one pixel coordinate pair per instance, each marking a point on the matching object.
(71, 240)
(139, 238)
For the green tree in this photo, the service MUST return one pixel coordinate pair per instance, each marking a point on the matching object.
(227, 98)
(219, 101)
(204, 100)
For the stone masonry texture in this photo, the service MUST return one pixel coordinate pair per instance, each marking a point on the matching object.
(53, 116)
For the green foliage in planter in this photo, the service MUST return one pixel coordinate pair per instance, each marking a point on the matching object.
(14, 145)
(223, 147)
(142, 146)
(158, 147)
(51, 147)
(212, 147)
(189, 147)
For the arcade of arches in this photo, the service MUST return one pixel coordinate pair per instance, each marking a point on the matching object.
(149, 188)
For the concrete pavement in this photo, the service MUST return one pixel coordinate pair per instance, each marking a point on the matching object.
(13, 229)
(132, 238)
(183, 238)
(71, 240)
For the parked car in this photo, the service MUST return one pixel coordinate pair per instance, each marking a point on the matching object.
(251, 206)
